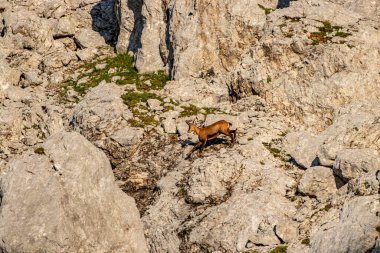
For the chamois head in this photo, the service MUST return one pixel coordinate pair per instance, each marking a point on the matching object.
(192, 126)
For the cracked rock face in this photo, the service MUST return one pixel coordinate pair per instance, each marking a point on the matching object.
(69, 200)
(298, 80)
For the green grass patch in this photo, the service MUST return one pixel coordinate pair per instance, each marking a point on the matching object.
(192, 110)
(143, 120)
(133, 98)
(342, 34)
(121, 65)
(326, 32)
(279, 249)
(142, 116)
(274, 151)
(189, 110)
(181, 193)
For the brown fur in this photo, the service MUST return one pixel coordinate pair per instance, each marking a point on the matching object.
(211, 132)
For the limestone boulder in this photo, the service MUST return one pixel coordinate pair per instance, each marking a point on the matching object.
(64, 199)
(245, 220)
(352, 163)
(354, 127)
(87, 38)
(354, 231)
(318, 182)
(102, 117)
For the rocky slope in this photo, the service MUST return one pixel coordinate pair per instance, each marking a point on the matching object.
(299, 80)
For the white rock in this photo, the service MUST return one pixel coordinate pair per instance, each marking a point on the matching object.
(318, 182)
(169, 126)
(60, 207)
(88, 38)
(355, 231)
(153, 103)
(352, 163)
(100, 66)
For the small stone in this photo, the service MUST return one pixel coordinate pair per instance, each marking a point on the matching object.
(83, 80)
(100, 66)
(153, 103)
(169, 126)
(115, 78)
(148, 83)
(182, 128)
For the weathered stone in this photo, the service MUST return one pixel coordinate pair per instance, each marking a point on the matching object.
(61, 206)
(153, 103)
(355, 231)
(102, 117)
(169, 126)
(318, 182)
(86, 38)
(352, 163)
(130, 22)
(148, 57)
(100, 66)
(354, 127)
(303, 148)
(242, 219)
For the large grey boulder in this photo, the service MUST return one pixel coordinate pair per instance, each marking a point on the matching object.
(352, 163)
(303, 147)
(318, 182)
(102, 117)
(65, 199)
(355, 231)
(356, 126)
(246, 220)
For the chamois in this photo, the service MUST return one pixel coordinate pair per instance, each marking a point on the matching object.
(210, 132)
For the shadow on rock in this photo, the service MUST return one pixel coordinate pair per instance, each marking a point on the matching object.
(104, 21)
(283, 4)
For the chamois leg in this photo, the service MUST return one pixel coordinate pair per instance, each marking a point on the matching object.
(233, 137)
(231, 134)
(202, 146)
(194, 148)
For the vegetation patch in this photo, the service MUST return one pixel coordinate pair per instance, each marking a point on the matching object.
(40, 151)
(273, 150)
(327, 32)
(133, 98)
(192, 110)
(280, 249)
(142, 119)
(120, 66)
(306, 241)
(327, 207)
(266, 10)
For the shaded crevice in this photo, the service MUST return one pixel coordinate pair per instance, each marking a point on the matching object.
(1, 197)
(278, 237)
(135, 38)
(104, 21)
(62, 36)
(283, 4)
(4, 30)
(169, 46)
